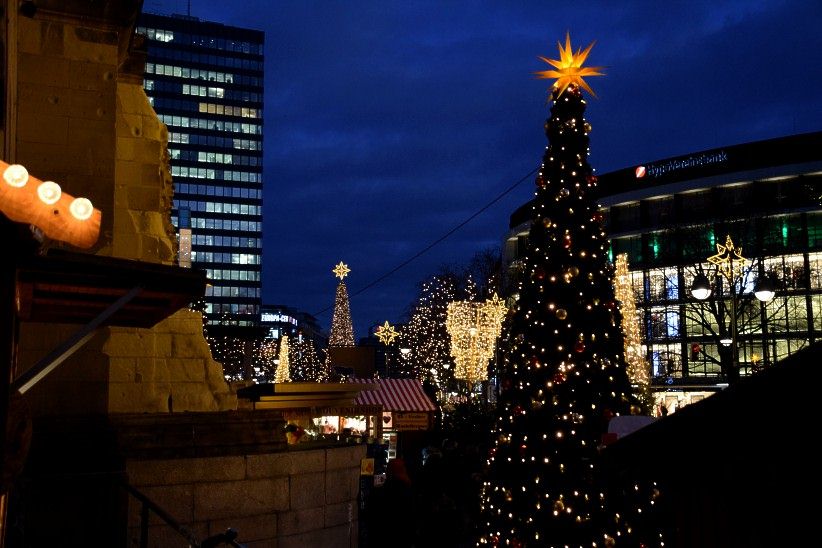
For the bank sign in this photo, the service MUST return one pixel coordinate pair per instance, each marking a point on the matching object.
(651, 171)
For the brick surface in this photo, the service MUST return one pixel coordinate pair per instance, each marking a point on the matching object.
(341, 485)
(307, 490)
(345, 457)
(176, 471)
(249, 528)
(300, 521)
(219, 500)
(342, 513)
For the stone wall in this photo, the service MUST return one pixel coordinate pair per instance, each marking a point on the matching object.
(84, 121)
(297, 498)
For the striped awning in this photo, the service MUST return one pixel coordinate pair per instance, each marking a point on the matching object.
(395, 395)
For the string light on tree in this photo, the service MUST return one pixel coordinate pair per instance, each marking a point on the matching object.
(283, 373)
(563, 374)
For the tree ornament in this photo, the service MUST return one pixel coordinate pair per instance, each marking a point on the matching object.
(539, 273)
(579, 346)
(598, 217)
(561, 313)
(534, 361)
(546, 222)
(609, 541)
(540, 181)
(587, 127)
(567, 241)
(559, 506)
(564, 192)
(559, 378)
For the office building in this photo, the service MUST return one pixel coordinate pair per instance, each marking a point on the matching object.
(668, 217)
(205, 81)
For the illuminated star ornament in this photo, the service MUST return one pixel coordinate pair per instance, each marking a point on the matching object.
(341, 270)
(386, 333)
(569, 68)
(727, 257)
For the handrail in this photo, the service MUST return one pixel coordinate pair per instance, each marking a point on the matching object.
(148, 504)
(227, 538)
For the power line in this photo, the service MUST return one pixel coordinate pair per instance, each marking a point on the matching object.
(440, 239)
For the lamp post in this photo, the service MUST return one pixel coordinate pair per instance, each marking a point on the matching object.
(729, 264)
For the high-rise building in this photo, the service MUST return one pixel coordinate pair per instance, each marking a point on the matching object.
(205, 81)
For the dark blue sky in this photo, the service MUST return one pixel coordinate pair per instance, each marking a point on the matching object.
(389, 123)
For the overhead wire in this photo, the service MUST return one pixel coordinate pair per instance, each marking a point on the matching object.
(438, 240)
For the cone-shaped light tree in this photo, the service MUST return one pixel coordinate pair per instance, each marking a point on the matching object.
(563, 375)
(283, 372)
(342, 330)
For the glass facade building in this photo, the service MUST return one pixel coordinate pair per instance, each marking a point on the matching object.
(205, 81)
(668, 217)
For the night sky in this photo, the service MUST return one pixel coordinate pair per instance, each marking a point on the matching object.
(389, 123)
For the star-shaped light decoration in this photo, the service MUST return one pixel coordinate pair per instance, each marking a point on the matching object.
(570, 70)
(386, 333)
(728, 258)
(341, 270)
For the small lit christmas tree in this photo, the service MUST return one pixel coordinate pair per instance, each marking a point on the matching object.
(342, 330)
(283, 368)
(639, 370)
(563, 376)
(305, 364)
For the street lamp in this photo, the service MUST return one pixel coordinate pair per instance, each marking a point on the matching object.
(729, 264)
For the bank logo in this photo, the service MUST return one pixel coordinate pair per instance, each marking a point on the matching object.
(640, 172)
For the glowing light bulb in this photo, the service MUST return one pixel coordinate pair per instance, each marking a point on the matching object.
(49, 192)
(16, 175)
(81, 208)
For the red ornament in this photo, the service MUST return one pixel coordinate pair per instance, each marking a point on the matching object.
(598, 217)
(540, 181)
(579, 346)
(591, 179)
(534, 361)
(518, 410)
(559, 377)
(567, 242)
(539, 273)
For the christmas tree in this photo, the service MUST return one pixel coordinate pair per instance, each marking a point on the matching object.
(342, 330)
(638, 368)
(283, 371)
(563, 375)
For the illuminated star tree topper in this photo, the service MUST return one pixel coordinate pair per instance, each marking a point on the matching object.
(386, 333)
(569, 68)
(341, 270)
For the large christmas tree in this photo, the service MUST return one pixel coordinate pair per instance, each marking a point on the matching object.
(563, 375)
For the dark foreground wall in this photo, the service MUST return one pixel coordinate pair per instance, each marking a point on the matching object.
(738, 469)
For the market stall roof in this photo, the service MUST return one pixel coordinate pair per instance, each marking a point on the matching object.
(77, 287)
(396, 395)
(293, 395)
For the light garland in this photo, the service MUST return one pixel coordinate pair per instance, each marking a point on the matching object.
(474, 328)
